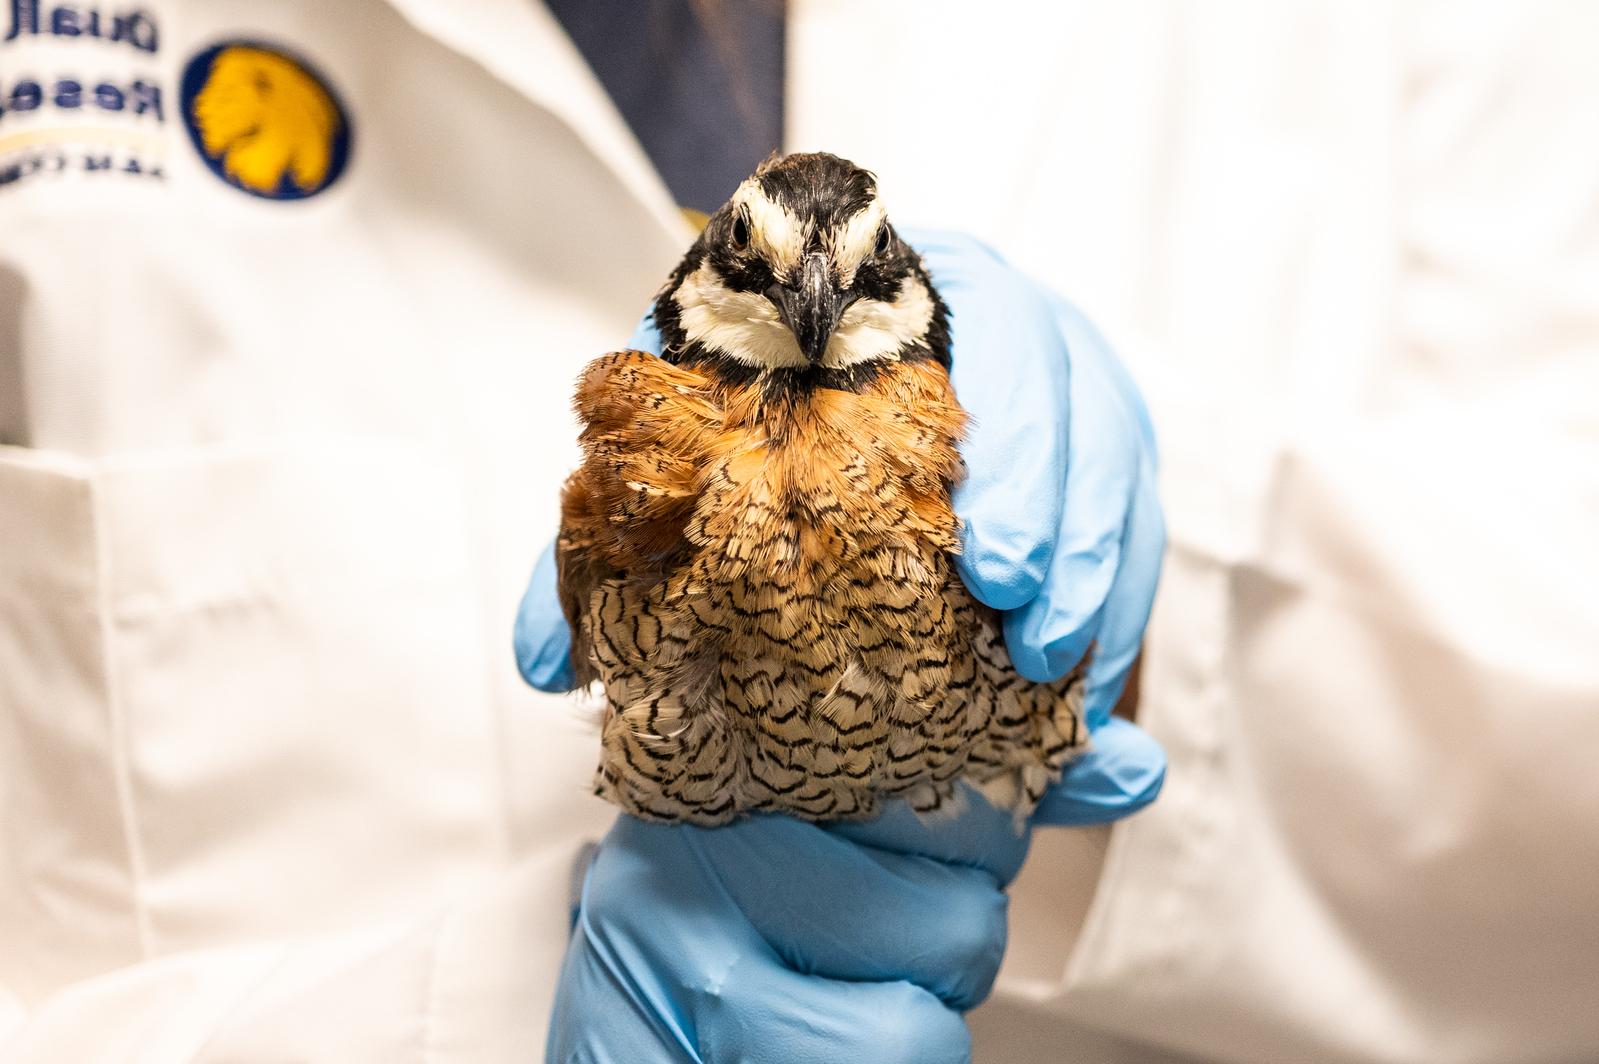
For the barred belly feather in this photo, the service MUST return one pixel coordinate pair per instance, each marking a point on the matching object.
(763, 583)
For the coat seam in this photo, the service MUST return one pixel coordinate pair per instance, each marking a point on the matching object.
(117, 722)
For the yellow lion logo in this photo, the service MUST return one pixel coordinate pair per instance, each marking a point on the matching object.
(263, 117)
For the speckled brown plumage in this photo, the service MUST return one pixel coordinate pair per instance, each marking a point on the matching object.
(762, 580)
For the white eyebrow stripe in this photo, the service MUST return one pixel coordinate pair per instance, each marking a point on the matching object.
(853, 241)
(774, 229)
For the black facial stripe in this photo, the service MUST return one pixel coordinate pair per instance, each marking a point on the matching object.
(743, 271)
(666, 313)
(880, 277)
(788, 381)
(937, 338)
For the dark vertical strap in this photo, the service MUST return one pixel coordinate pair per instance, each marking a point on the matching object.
(699, 81)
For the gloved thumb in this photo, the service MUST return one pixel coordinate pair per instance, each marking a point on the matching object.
(543, 640)
(1121, 772)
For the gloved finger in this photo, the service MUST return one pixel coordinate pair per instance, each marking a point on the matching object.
(1129, 601)
(1049, 635)
(977, 836)
(605, 1014)
(652, 925)
(1111, 447)
(662, 941)
(782, 1017)
(1011, 373)
(646, 337)
(831, 907)
(1084, 340)
(543, 642)
(1121, 772)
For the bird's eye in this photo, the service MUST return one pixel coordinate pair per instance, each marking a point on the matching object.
(741, 233)
(881, 247)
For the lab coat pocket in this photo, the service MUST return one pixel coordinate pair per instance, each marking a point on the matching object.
(243, 692)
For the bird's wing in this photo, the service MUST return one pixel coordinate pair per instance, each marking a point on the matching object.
(646, 428)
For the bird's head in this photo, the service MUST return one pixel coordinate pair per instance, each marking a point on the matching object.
(801, 274)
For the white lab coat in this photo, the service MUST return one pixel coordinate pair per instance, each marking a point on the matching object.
(252, 812)
(279, 472)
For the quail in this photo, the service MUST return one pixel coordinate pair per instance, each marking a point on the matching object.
(756, 555)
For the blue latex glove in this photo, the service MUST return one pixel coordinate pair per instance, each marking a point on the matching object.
(773, 941)
(1063, 527)
(777, 940)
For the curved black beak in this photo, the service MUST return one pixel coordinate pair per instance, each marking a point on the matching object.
(811, 305)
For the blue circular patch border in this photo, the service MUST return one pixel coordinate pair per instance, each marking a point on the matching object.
(198, 71)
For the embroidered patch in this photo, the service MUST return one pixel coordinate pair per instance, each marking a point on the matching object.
(264, 120)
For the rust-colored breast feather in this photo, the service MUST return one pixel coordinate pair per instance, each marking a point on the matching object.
(764, 586)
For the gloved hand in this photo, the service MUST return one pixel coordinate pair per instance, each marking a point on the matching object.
(774, 941)
(722, 942)
(1063, 527)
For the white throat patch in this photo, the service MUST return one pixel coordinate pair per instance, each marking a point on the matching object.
(743, 326)
(872, 329)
